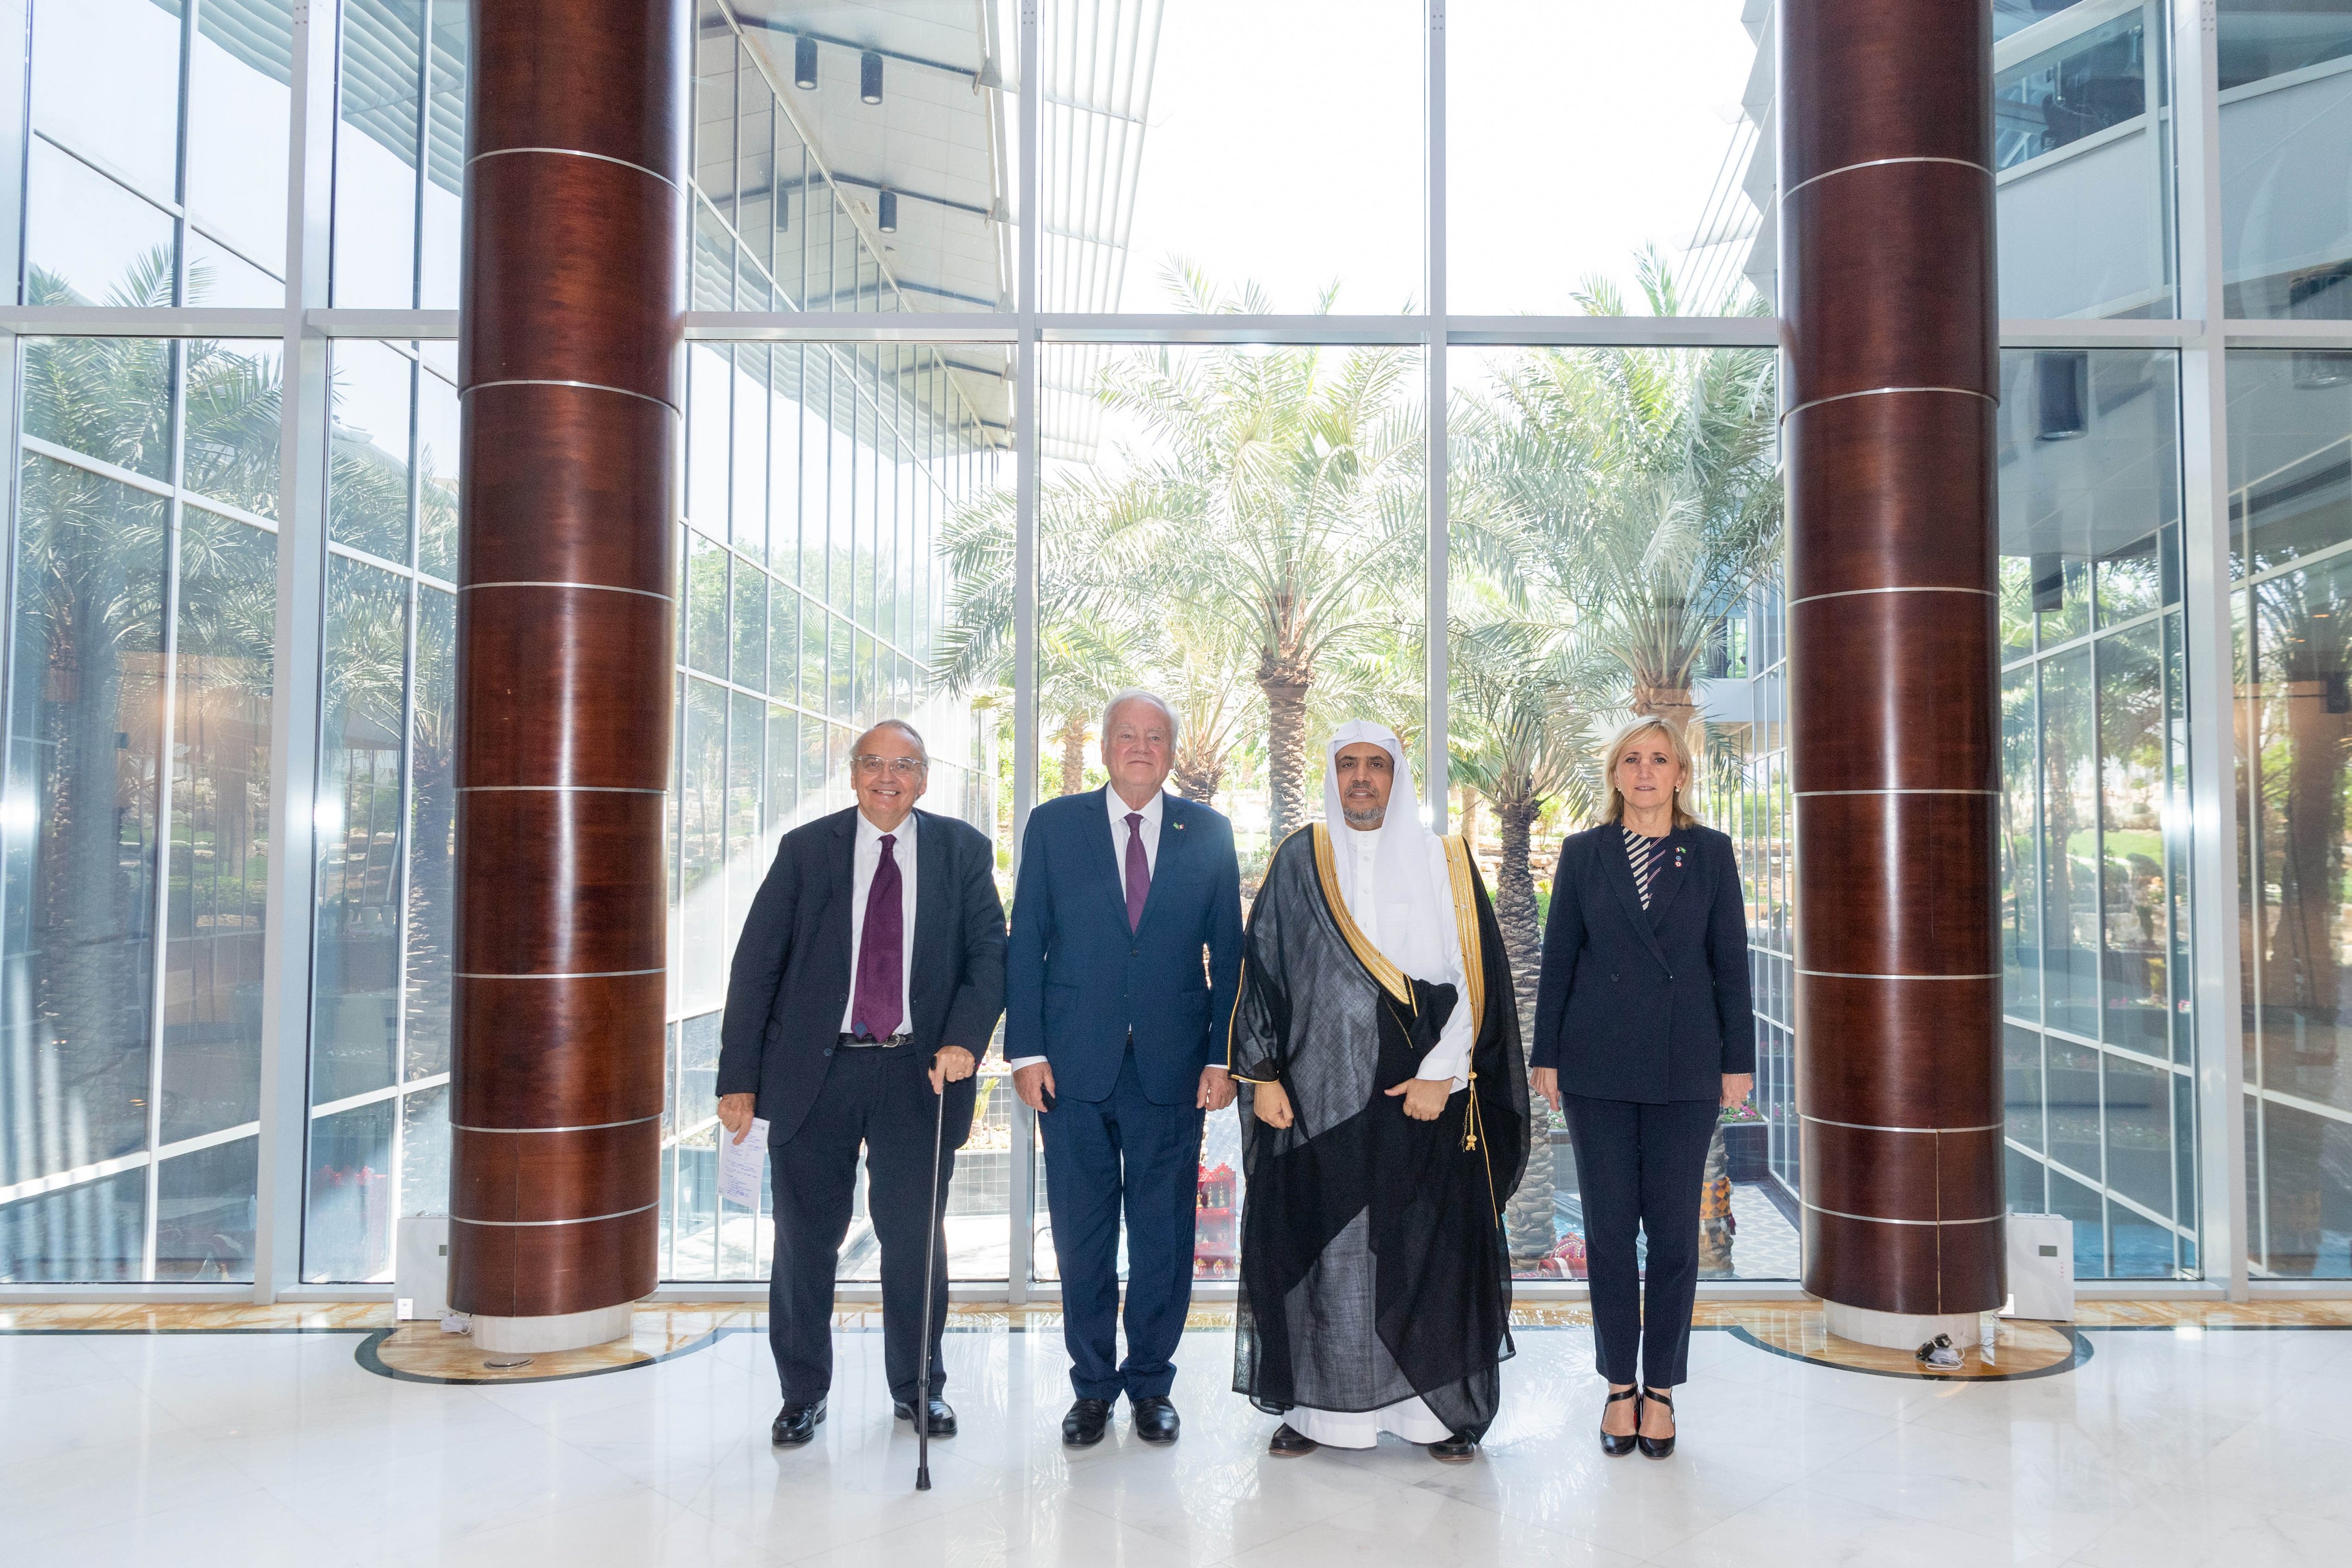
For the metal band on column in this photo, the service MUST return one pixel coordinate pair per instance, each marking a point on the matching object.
(1891, 339)
(568, 344)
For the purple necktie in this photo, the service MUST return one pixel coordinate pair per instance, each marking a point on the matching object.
(1138, 870)
(881, 990)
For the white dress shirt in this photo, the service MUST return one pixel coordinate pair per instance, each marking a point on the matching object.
(1118, 809)
(863, 864)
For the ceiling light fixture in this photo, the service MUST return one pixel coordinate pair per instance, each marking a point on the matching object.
(869, 77)
(804, 64)
(888, 220)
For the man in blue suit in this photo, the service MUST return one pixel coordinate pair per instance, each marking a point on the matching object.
(1126, 951)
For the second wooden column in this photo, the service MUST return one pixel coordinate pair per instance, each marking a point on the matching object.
(1891, 335)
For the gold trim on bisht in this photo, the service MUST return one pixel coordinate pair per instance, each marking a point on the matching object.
(1327, 870)
(1463, 877)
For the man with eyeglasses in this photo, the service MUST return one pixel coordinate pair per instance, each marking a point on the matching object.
(867, 980)
(1125, 951)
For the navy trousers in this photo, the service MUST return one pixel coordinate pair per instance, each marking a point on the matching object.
(1640, 1168)
(1103, 1156)
(881, 1098)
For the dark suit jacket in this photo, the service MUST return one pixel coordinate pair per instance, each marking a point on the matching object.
(1652, 1004)
(791, 975)
(1077, 981)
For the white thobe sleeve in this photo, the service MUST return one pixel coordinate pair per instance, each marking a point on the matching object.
(1450, 1058)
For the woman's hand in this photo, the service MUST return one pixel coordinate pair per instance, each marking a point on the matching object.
(1544, 1081)
(1424, 1098)
(1271, 1105)
(1737, 1087)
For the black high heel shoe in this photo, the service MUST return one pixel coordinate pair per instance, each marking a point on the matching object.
(1615, 1447)
(1654, 1447)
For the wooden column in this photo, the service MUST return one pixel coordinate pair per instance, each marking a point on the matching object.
(1891, 340)
(568, 349)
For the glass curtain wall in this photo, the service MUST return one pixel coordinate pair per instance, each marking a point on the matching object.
(2286, 236)
(2291, 501)
(1744, 690)
(135, 822)
(400, 148)
(1262, 560)
(134, 832)
(386, 808)
(1616, 521)
(820, 482)
(2098, 1047)
(386, 803)
(155, 166)
(850, 518)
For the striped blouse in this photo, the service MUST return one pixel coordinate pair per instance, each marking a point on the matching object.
(1644, 853)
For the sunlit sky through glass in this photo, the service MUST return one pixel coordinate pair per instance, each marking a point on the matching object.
(1285, 147)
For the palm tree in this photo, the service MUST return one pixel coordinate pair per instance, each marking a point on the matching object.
(1642, 481)
(1267, 539)
(92, 559)
(1633, 497)
(1514, 725)
(1206, 677)
(1285, 504)
(1088, 633)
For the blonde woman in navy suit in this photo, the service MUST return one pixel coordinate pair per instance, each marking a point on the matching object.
(1642, 1034)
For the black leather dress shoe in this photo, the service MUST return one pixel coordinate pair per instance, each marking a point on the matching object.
(1288, 1443)
(796, 1424)
(1457, 1449)
(1083, 1428)
(943, 1421)
(1155, 1418)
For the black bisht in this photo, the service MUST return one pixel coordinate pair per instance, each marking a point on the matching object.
(1373, 1263)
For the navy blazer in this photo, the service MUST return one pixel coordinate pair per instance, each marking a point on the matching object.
(792, 973)
(1648, 1005)
(1077, 982)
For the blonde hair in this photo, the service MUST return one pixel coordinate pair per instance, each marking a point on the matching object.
(1615, 809)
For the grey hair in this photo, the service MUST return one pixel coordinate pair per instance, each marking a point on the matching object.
(910, 732)
(1126, 694)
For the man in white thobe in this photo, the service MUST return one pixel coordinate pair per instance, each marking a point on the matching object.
(1387, 1112)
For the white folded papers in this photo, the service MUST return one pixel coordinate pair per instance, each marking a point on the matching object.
(742, 1165)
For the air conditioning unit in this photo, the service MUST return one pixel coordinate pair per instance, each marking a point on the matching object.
(2041, 1268)
(420, 1274)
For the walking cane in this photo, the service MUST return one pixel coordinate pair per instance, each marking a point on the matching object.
(930, 1260)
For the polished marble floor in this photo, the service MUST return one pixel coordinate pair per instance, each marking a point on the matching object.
(2189, 1445)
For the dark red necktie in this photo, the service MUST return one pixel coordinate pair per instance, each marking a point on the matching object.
(1138, 870)
(881, 986)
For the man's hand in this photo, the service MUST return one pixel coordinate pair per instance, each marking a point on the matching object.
(1270, 1103)
(1737, 1087)
(1033, 1083)
(1424, 1098)
(951, 1064)
(1544, 1081)
(735, 1112)
(1216, 1089)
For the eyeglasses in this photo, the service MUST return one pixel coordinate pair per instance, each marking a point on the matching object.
(898, 767)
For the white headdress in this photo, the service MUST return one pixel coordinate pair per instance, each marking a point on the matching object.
(1415, 914)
